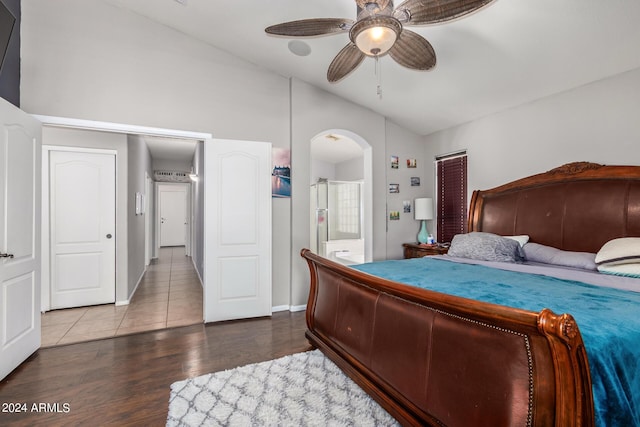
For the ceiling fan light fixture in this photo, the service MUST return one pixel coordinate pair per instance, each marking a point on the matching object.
(376, 35)
(378, 30)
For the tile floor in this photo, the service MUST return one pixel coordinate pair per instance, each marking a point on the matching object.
(169, 295)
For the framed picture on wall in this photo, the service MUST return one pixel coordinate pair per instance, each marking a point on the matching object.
(412, 163)
(415, 181)
(281, 172)
(406, 206)
(394, 162)
(394, 215)
(394, 188)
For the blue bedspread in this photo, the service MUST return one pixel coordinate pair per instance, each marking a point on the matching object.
(609, 320)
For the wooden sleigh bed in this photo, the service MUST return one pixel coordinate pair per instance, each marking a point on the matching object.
(431, 358)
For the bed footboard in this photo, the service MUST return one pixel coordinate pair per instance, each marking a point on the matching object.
(435, 359)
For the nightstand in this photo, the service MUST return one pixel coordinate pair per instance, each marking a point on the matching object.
(417, 250)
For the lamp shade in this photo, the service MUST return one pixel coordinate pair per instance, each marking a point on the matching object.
(423, 208)
(375, 35)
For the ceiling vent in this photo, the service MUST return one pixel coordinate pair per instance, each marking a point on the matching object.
(171, 176)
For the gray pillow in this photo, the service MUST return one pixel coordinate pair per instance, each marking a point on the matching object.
(485, 247)
(549, 255)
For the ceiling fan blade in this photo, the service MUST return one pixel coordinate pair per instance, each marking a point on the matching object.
(345, 62)
(413, 51)
(416, 12)
(311, 27)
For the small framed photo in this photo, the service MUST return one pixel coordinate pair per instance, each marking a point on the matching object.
(394, 162)
(412, 163)
(406, 206)
(415, 181)
(394, 188)
(394, 215)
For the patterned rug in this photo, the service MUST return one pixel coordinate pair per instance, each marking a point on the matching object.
(304, 389)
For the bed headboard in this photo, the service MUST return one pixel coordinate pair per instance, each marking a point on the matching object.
(575, 207)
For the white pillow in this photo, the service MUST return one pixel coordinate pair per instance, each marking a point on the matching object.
(522, 239)
(632, 270)
(625, 250)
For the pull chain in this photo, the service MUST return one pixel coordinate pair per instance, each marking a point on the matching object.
(378, 72)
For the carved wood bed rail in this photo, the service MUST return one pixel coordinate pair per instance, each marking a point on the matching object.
(411, 349)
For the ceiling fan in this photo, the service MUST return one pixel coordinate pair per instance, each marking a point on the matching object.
(379, 30)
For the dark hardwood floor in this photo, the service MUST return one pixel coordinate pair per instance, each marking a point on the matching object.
(125, 380)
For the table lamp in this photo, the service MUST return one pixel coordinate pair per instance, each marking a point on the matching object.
(423, 211)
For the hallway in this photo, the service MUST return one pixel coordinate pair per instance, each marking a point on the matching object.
(169, 295)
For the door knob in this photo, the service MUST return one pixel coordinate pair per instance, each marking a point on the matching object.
(109, 236)
(3, 255)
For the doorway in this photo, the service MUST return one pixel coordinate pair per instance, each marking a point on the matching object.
(344, 159)
(140, 310)
(173, 214)
(80, 202)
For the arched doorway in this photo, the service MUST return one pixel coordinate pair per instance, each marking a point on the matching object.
(342, 159)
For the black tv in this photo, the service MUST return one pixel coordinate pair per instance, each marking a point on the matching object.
(7, 21)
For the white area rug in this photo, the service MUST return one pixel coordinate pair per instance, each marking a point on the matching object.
(304, 389)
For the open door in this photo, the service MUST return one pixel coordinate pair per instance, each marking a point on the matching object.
(237, 227)
(20, 171)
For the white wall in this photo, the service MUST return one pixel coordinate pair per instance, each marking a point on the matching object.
(405, 145)
(315, 111)
(597, 122)
(139, 162)
(172, 165)
(89, 60)
(350, 170)
(320, 169)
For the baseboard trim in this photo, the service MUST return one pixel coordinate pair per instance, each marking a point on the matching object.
(292, 308)
(126, 302)
(193, 262)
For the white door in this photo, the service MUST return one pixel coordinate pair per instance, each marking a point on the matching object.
(20, 148)
(237, 229)
(173, 214)
(82, 189)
